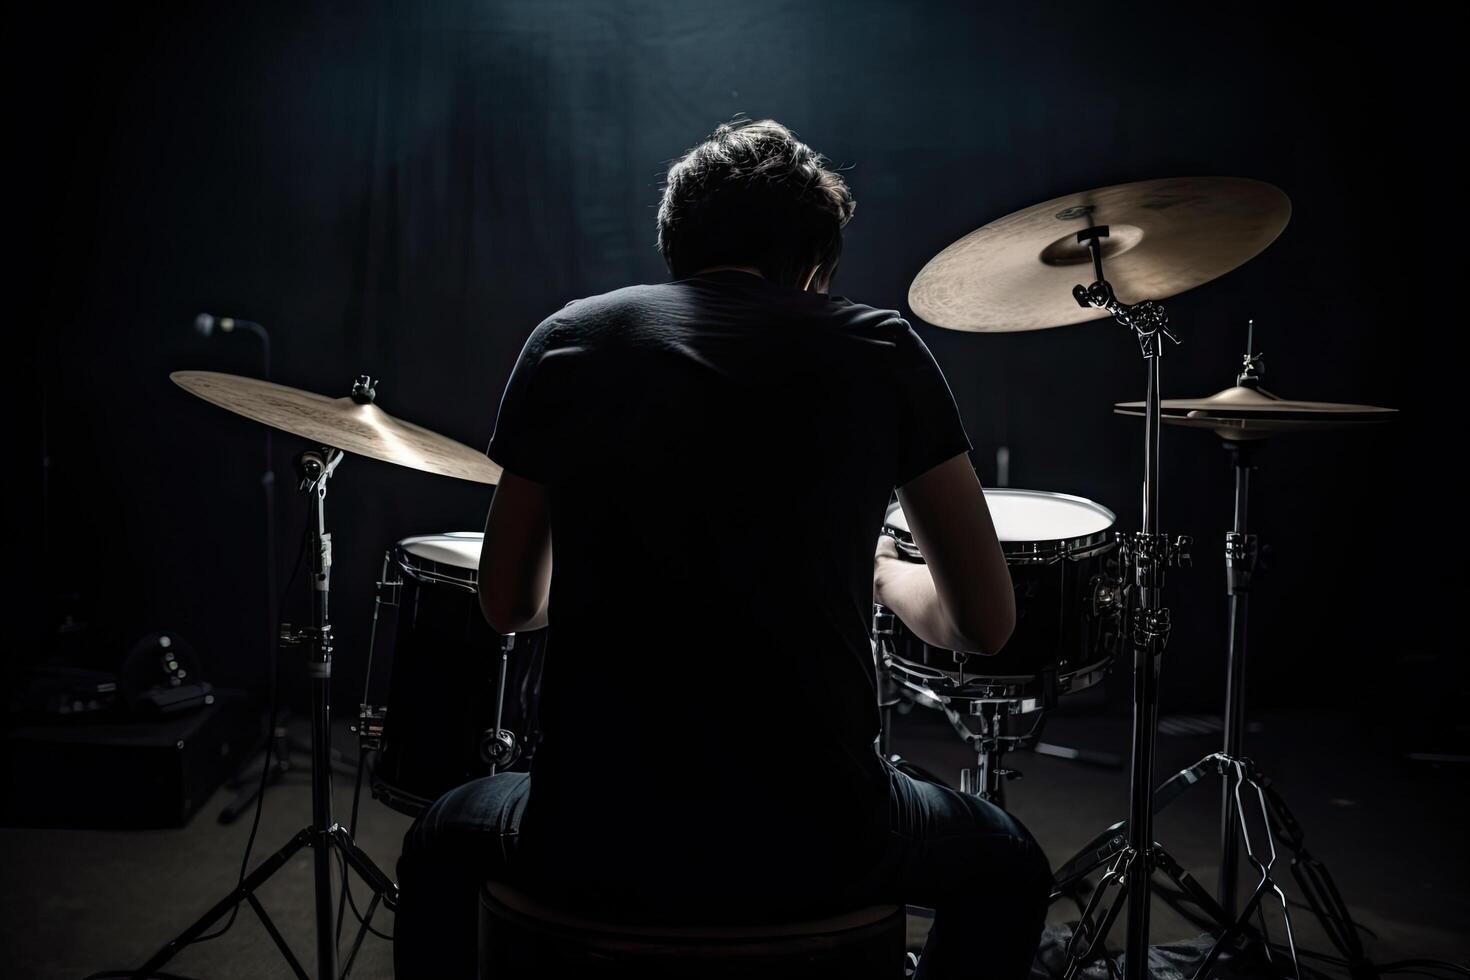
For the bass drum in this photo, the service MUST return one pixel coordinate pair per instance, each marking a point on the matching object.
(1068, 600)
(439, 729)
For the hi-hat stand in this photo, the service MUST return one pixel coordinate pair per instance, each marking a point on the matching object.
(1241, 553)
(315, 468)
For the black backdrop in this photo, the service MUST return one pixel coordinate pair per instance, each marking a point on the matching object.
(407, 189)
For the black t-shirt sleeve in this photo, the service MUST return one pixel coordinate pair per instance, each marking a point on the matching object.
(929, 429)
(522, 442)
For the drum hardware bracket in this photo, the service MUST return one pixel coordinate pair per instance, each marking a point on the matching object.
(1147, 320)
(320, 638)
(320, 642)
(369, 727)
(987, 780)
(499, 747)
(1157, 551)
(1151, 632)
(364, 390)
(1252, 366)
(1242, 551)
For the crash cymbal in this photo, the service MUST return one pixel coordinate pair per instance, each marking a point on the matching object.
(1241, 413)
(364, 429)
(1165, 236)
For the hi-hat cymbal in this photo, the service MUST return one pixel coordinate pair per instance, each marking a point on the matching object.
(364, 429)
(1165, 236)
(1242, 414)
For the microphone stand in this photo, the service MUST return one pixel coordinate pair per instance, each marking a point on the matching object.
(267, 483)
(248, 779)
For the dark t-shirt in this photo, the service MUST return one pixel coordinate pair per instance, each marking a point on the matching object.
(718, 453)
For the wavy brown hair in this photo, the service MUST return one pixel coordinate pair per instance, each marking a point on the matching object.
(753, 194)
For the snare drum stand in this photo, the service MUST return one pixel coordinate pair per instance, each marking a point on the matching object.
(990, 744)
(315, 468)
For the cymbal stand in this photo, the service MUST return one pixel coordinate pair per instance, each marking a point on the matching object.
(1149, 553)
(314, 468)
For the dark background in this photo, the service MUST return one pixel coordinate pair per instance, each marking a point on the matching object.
(407, 189)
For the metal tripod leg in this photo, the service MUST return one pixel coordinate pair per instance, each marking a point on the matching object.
(370, 873)
(1250, 795)
(1089, 938)
(384, 892)
(244, 892)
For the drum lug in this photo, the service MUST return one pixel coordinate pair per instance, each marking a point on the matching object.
(884, 622)
(499, 748)
(369, 728)
(1107, 596)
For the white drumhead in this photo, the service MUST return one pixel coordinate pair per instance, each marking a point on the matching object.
(1034, 515)
(461, 549)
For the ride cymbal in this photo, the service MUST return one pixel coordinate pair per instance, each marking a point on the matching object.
(1165, 236)
(343, 423)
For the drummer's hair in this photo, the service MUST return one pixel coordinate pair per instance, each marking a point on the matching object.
(753, 194)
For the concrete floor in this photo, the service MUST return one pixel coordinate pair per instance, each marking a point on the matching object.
(76, 902)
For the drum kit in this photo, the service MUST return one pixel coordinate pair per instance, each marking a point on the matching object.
(1085, 591)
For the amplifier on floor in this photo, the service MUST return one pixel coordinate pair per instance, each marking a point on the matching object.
(150, 773)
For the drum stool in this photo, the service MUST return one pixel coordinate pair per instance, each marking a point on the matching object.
(522, 938)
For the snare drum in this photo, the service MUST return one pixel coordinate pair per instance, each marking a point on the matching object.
(444, 681)
(1058, 548)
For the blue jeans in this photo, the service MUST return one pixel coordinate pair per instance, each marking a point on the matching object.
(973, 863)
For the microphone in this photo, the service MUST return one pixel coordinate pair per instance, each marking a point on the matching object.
(206, 323)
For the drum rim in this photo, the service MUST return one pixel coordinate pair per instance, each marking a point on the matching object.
(1005, 688)
(1030, 551)
(431, 571)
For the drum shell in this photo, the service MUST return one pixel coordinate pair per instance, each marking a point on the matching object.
(443, 685)
(1060, 629)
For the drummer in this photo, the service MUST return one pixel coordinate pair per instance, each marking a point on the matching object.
(704, 463)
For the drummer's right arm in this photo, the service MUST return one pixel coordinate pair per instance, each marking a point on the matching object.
(961, 597)
(515, 560)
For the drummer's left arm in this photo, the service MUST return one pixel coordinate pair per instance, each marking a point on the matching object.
(515, 560)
